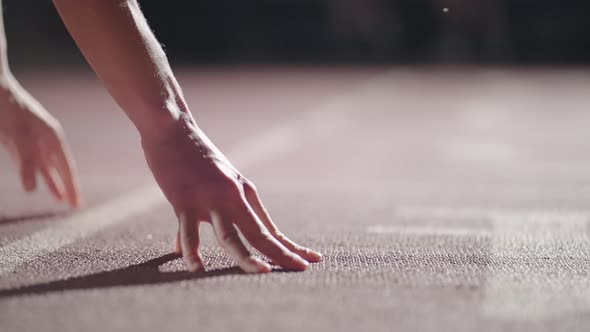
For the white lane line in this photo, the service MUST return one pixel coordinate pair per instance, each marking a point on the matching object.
(537, 263)
(535, 269)
(268, 145)
(477, 151)
(487, 137)
(426, 230)
(480, 139)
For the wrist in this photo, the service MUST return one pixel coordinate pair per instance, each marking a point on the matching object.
(167, 124)
(10, 95)
(8, 84)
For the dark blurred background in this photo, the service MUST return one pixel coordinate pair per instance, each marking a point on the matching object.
(330, 31)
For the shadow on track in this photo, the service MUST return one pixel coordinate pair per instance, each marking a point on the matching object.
(146, 273)
(6, 220)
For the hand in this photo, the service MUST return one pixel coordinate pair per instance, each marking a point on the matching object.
(36, 142)
(203, 186)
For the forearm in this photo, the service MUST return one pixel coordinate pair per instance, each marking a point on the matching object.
(116, 40)
(8, 85)
(3, 55)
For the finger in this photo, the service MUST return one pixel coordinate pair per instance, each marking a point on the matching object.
(178, 248)
(189, 241)
(228, 238)
(50, 177)
(261, 239)
(27, 170)
(67, 171)
(12, 150)
(256, 204)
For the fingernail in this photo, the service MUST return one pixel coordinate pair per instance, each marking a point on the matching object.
(302, 262)
(316, 256)
(306, 263)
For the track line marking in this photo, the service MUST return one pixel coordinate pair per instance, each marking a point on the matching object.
(538, 259)
(426, 230)
(487, 152)
(268, 145)
(546, 280)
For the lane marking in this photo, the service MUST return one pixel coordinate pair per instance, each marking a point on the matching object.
(268, 145)
(546, 280)
(488, 137)
(537, 261)
(426, 230)
(484, 152)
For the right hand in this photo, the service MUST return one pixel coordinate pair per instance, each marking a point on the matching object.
(203, 186)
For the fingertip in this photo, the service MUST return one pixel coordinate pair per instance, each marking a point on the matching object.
(78, 202)
(71, 202)
(300, 264)
(59, 197)
(256, 265)
(29, 184)
(195, 268)
(264, 267)
(308, 254)
(193, 264)
(74, 204)
(313, 256)
(73, 196)
(304, 266)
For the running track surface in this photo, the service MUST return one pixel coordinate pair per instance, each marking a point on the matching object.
(442, 199)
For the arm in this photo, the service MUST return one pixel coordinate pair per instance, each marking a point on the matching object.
(115, 38)
(197, 179)
(33, 137)
(3, 56)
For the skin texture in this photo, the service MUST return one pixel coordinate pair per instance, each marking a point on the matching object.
(197, 179)
(34, 138)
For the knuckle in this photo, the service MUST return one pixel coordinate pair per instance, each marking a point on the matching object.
(224, 189)
(261, 237)
(278, 235)
(231, 190)
(249, 187)
(240, 178)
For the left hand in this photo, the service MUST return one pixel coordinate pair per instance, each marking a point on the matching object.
(36, 141)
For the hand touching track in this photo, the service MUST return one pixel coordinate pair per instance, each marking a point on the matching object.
(203, 186)
(37, 143)
(199, 182)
